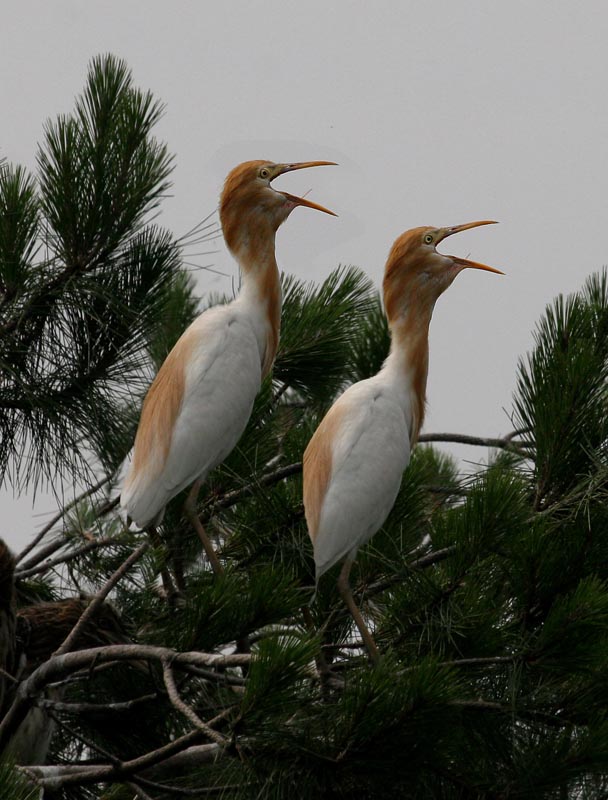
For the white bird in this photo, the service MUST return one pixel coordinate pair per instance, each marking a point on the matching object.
(355, 460)
(200, 401)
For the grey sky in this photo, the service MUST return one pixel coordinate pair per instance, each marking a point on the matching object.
(438, 112)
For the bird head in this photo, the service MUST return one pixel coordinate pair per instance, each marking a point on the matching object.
(251, 210)
(416, 272)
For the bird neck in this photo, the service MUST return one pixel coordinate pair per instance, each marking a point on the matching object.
(408, 360)
(261, 295)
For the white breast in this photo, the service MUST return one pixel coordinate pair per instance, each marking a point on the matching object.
(222, 378)
(370, 451)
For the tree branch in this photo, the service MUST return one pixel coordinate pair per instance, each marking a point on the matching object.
(60, 514)
(101, 595)
(96, 708)
(185, 709)
(504, 443)
(169, 758)
(58, 666)
(231, 498)
(106, 541)
(420, 563)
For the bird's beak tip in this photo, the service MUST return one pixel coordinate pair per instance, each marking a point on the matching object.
(302, 201)
(465, 262)
(305, 165)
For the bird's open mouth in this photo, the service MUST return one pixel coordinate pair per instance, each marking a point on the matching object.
(465, 262)
(301, 201)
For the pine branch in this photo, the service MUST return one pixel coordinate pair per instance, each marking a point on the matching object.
(186, 710)
(420, 563)
(504, 443)
(60, 514)
(232, 498)
(96, 544)
(78, 709)
(98, 599)
(59, 666)
(176, 755)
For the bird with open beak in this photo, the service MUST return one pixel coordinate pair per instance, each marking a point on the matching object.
(201, 399)
(355, 460)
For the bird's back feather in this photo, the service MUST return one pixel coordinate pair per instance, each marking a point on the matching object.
(196, 410)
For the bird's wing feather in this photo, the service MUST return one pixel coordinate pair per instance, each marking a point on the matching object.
(353, 467)
(195, 411)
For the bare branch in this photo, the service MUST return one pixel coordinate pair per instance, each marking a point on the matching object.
(192, 757)
(185, 709)
(139, 791)
(60, 665)
(96, 708)
(60, 514)
(158, 762)
(101, 595)
(106, 541)
(420, 563)
(231, 498)
(504, 443)
(224, 678)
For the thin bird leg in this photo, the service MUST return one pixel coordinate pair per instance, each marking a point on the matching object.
(168, 585)
(322, 666)
(192, 516)
(347, 596)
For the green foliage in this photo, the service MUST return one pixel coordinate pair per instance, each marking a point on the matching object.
(319, 325)
(76, 323)
(13, 785)
(19, 220)
(371, 345)
(561, 392)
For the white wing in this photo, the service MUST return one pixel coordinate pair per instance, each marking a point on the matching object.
(217, 361)
(370, 451)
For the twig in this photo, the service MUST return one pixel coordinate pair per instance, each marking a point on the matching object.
(139, 791)
(420, 563)
(185, 708)
(504, 443)
(137, 782)
(58, 666)
(230, 498)
(101, 595)
(522, 713)
(107, 507)
(174, 755)
(60, 514)
(479, 662)
(95, 708)
(210, 675)
(106, 541)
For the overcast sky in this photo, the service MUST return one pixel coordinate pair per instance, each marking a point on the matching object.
(439, 113)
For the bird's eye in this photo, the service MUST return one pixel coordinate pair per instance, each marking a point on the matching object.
(428, 239)
(264, 173)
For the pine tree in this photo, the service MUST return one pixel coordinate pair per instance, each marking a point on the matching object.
(487, 593)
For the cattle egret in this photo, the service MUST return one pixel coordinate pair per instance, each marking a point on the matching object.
(355, 460)
(200, 401)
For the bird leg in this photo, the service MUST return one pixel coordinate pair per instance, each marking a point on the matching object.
(192, 515)
(171, 593)
(347, 596)
(320, 660)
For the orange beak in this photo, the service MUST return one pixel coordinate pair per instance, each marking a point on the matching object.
(464, 262)
(301, 201)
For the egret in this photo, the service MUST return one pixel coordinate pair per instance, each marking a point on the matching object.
(200, 401)
(355, 460)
